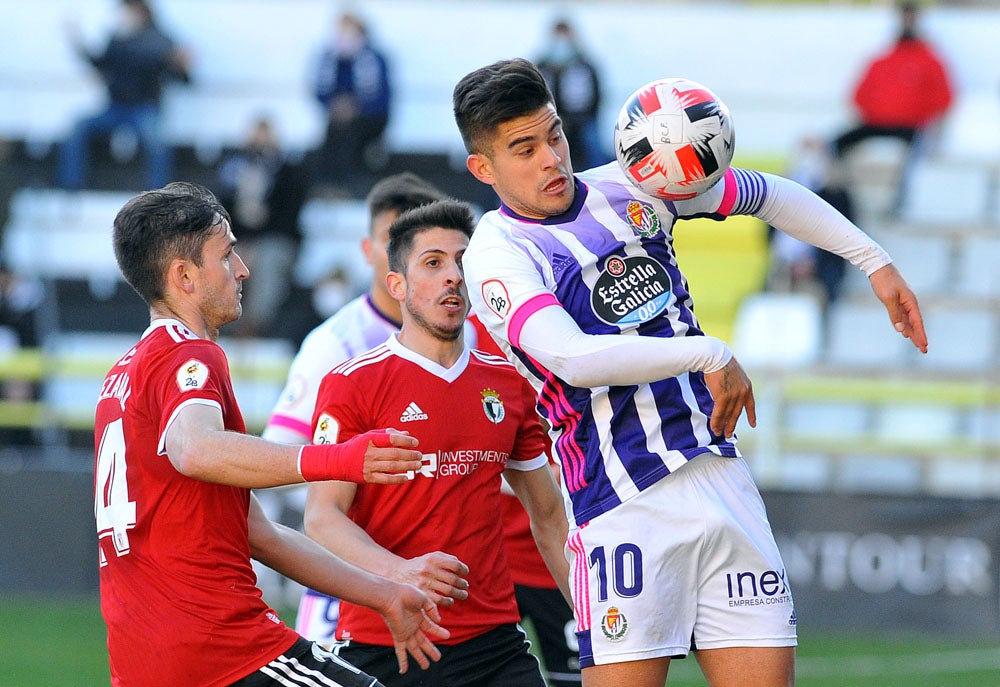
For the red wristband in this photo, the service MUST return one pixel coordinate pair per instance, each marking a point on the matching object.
(344, 462)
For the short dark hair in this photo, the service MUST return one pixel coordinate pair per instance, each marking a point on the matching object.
(158, 226)
(492, 95)
(447, 214)
(400, 193)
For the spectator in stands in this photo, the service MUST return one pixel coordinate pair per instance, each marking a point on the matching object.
(352, 84)
(797, 265)
(903, 93)
(265, 192)
(20, 299)
(574, 83)
(136, 63)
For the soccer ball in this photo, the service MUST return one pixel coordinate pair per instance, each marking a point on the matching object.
(674, 139)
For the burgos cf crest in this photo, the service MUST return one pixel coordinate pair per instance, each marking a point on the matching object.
(613, 624)
(644, 221)
(493, 406)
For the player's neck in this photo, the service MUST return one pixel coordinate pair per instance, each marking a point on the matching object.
(196, 323)
(419, 340)
(386, 304)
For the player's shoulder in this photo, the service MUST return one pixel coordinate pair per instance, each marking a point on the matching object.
(487, 358)
(364, 363)
(610, 173)
(501, 373)
(170, 348)
(333, 327)
(495, 366)
(334, 337)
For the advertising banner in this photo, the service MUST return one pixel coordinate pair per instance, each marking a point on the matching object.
(890, 562)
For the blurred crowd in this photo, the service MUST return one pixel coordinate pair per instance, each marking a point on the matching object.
(902, 94)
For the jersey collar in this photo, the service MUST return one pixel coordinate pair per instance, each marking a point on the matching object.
(579, 197)
(448, 374)
(169, 322)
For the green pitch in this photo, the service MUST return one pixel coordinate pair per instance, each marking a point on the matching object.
(60, 643)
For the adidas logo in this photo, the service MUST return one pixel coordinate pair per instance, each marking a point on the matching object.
(412, 413)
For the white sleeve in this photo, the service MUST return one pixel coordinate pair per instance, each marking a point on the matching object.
(291, 418)
(800, 213)
(521, 309)
(551, 337)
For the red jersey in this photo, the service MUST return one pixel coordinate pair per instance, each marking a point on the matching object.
(473, 420)
(178, 593)
(527, 567)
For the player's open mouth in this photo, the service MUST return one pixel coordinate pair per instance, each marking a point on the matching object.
(453, 303)
(557, 185)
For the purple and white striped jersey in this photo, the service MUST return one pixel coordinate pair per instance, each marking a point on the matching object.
(352, 330)
(609, 262)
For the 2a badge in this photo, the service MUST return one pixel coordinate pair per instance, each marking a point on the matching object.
(192, 375)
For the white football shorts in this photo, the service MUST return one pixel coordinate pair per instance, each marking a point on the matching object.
(689, 563)
(317, 618)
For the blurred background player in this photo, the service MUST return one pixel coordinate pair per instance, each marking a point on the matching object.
(361, 324)
(135, 65)
(440, 530)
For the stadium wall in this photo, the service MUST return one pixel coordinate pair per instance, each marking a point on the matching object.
(886, 563)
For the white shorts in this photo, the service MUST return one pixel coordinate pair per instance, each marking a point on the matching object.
(317, 617)
(689, 563)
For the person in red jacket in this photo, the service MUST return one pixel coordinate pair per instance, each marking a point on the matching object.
(903, 94)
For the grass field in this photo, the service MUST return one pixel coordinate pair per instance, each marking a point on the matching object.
(60, 643)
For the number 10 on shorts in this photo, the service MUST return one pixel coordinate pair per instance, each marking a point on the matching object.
(623, 568)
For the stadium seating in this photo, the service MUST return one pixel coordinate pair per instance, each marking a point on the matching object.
(844, 402)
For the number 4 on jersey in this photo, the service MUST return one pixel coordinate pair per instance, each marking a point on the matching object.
(114, 513)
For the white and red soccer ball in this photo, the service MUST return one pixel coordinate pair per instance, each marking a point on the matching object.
(674, 138)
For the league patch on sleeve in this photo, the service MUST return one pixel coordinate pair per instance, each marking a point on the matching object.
(496, 298)
(326, 430)
(192, 375)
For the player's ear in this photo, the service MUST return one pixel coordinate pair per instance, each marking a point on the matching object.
(366, 248)
(481, 167)
(179, 275)
(395, 284)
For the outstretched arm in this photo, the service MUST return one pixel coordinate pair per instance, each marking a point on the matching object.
(199, 446)
(800, 213)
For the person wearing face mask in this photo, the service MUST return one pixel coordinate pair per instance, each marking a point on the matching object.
(573, 80)
(135, 65)
(903, 94)
(266, 191)
(353, 87)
